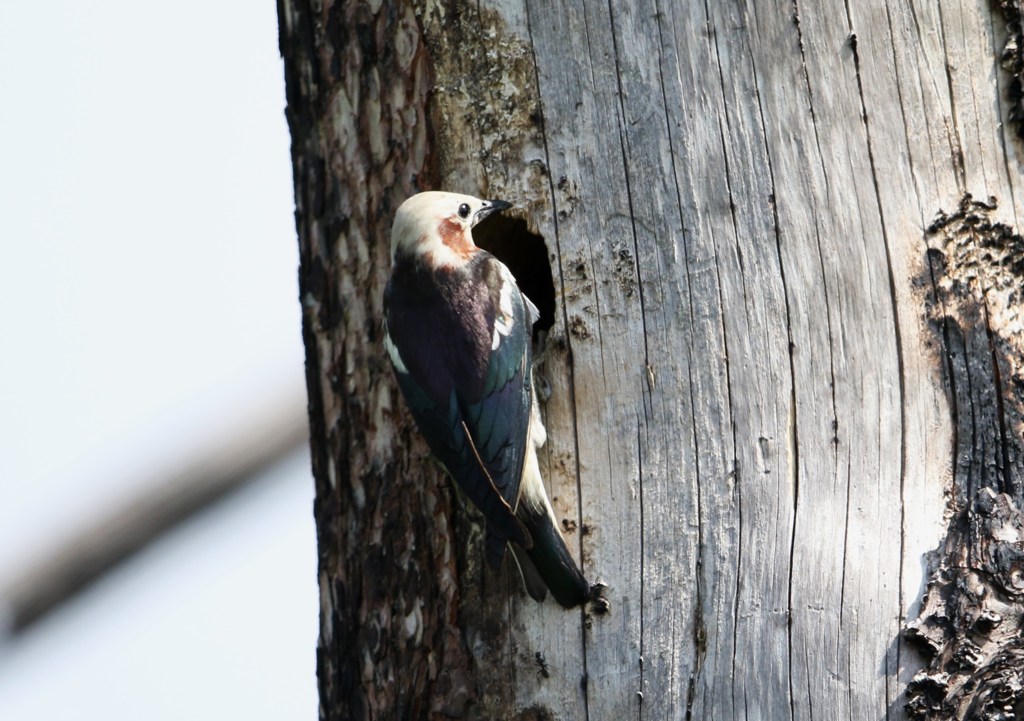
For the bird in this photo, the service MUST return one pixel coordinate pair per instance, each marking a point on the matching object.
(458, 332)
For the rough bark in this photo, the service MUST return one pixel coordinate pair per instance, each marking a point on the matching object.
(777, 380)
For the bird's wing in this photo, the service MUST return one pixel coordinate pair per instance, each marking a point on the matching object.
(475, 417)
(498, 418)
(450, 440)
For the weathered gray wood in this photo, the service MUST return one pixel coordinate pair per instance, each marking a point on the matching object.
(758, 416)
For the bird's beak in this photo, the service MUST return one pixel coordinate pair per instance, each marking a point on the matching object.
(490, 206)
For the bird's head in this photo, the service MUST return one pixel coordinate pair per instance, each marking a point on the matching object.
(436, 227)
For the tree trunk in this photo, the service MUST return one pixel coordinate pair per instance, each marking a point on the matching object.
(779, 378)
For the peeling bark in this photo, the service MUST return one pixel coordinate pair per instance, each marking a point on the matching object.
(390, 646)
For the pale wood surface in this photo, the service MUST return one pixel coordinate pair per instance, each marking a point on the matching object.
(763, 436)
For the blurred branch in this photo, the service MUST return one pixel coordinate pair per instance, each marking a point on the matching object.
(157, 507)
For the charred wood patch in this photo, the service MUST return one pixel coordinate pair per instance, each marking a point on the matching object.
(970, 624)
(1012, 61)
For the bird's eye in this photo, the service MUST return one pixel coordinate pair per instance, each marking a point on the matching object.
(463, 211)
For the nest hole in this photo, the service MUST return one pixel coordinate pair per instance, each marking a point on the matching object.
(526, 254)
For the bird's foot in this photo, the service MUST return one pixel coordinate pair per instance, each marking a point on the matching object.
(598, 603)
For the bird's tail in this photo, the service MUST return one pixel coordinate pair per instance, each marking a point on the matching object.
(549, 558)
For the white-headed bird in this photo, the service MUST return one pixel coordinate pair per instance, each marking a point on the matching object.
(458, 331)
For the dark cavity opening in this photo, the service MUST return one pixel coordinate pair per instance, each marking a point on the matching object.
(526, 255)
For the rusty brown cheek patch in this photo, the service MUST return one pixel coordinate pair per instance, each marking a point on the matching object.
(453, 235)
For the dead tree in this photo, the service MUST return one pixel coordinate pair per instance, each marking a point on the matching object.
(775, 246)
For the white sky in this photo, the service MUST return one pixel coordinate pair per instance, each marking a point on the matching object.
(147, 302)
(165, 638)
